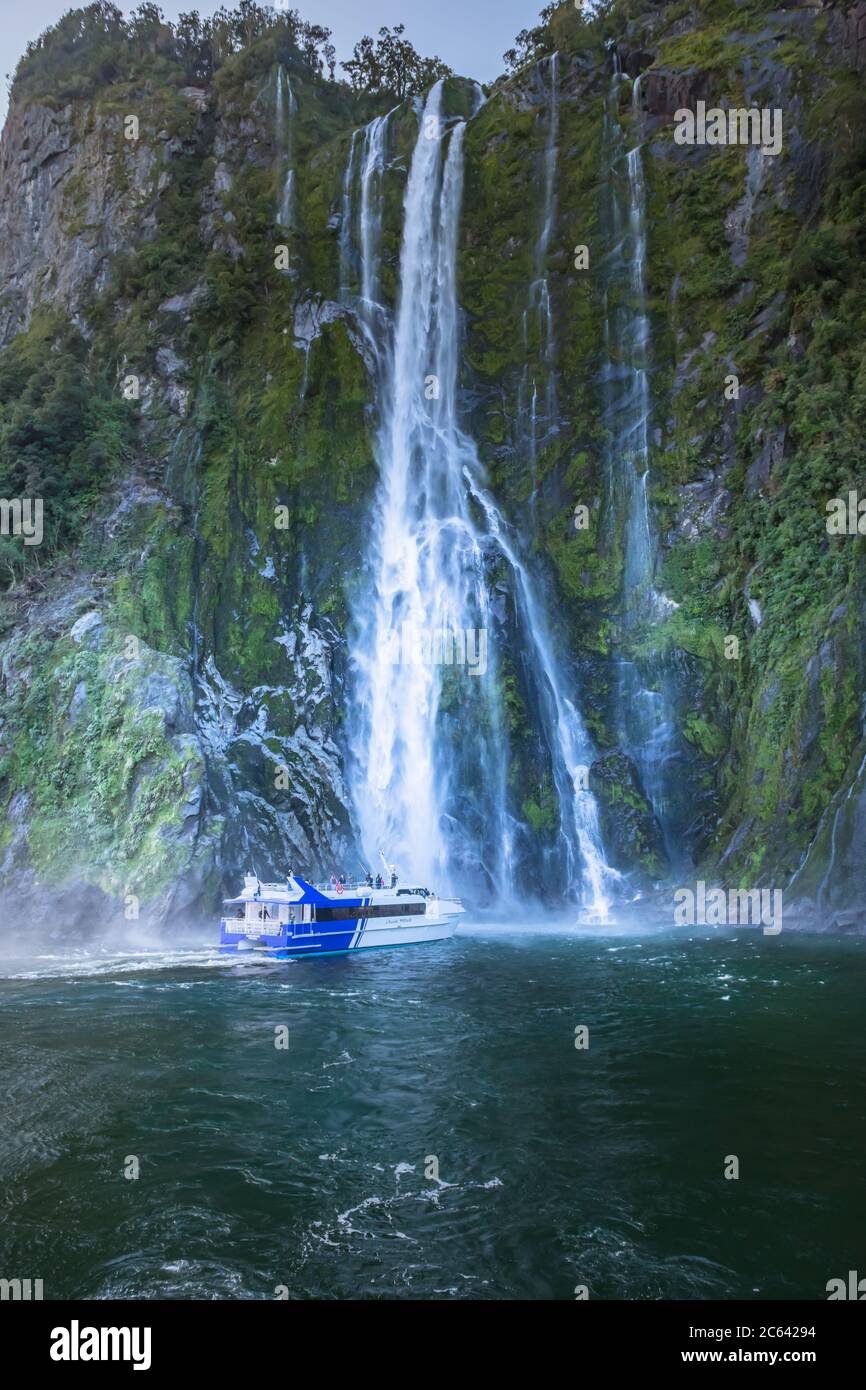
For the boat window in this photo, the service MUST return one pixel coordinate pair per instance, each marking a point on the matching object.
(338, 914)
(302, 919)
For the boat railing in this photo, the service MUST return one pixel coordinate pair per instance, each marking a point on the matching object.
(345, 883)
(361, 884)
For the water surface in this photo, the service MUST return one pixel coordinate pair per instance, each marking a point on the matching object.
(308, 1168)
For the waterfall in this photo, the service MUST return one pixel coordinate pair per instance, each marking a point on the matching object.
(566, 736)
(428, 743)
(626, 373)
(399, 790)
(285, 123)
(372, 170)
(346, 261)
(538, 331)
(361, 232)
(541, 288)
(371, 313)
(644, 711)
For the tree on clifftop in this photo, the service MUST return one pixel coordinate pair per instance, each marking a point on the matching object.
(391, 64)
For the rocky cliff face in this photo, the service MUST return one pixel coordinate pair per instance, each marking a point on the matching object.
(173, 675)
(69, 206)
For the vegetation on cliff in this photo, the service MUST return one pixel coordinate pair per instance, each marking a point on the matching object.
(254, 397)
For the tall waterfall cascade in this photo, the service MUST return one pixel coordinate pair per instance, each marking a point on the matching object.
(427, 740)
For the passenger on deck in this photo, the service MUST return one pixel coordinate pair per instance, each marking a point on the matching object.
(393, 879)
(379, 883)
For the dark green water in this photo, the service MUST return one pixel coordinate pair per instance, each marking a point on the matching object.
(305, 1168)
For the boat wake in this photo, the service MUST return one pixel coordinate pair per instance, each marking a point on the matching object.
(93, 962)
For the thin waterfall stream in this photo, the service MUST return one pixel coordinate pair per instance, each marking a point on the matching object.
(286, 109)
(643, 712)
(536, 404)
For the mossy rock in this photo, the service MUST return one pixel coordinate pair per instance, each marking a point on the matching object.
(631, 834)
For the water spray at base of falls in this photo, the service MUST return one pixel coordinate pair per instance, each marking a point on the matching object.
(428, 757)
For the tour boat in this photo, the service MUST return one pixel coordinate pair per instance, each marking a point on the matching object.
(296, 918)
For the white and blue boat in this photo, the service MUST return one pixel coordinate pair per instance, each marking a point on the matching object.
(296, 918)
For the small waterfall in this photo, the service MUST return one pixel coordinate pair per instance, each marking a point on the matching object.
(372, 170)
(346, 259)
(431, 785)
(643, 713)
(361, 233)
(285, 130)
(565, 732)
(626, 371)
(835, 881)
(538, 330)
(541, 287)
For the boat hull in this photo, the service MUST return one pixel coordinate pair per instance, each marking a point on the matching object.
(363, 936)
